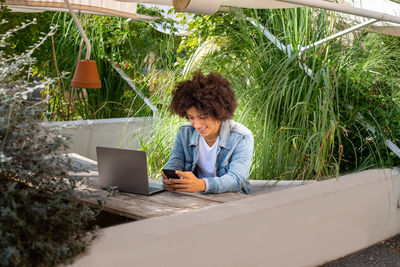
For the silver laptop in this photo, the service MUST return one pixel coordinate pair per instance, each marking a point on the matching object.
(126, 170)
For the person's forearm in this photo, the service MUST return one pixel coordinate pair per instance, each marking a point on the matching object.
(225, 183)
(201, 187)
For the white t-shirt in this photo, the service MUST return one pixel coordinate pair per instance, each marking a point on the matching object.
(207, 158)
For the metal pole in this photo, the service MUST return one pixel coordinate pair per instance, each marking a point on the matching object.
(304, 48)
(141, 95)
(287, 50)
(88, 47)
(345, 9)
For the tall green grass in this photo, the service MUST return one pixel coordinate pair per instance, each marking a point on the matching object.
(134, 46)
(367, 71)
(292, 116)
(302, 125)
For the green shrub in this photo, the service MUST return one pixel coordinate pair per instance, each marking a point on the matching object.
(38, 225)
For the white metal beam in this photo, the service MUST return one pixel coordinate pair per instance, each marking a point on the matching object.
(346, 9)
(85, 39)
(141, 95)
(344, 32)
(287, 49)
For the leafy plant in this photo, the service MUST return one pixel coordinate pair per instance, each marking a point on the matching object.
(39, 226)
(20, 40)
(302, 125)
(367, 72)
(134, 46)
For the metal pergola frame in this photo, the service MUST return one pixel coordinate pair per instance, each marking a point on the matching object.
(287, 49)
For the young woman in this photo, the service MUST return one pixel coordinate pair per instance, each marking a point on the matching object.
(211, 154)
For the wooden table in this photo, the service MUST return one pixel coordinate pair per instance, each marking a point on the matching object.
(137, 206)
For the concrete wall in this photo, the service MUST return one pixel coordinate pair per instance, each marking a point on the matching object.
(301, 226)
(87, 134)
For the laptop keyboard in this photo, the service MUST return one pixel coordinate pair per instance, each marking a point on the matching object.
(154, 187)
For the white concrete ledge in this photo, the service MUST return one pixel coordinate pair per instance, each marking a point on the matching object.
(266, 186)
(119, 132)
(300, 226)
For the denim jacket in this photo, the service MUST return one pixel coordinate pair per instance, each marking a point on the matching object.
(234, 156)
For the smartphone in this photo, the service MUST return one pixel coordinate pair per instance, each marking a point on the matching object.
(171, 174)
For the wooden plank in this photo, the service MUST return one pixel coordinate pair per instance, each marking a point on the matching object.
(138, 206)
(125, 204)
(175, 199)
(78, 162)
(180, 200)
(221, 198)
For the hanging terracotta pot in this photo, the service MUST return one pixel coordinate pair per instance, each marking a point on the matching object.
(86, 75)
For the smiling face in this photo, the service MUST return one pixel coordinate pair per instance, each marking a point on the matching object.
(206, 125)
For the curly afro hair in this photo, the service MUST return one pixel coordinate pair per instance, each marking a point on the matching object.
(211, 94)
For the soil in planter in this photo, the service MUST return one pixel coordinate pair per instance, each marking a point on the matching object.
(107, 219)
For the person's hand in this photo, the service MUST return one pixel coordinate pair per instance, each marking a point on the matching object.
(166, 182)
(188, 183)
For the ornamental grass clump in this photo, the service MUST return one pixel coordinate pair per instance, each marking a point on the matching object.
(303, 108)
(39, 226)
